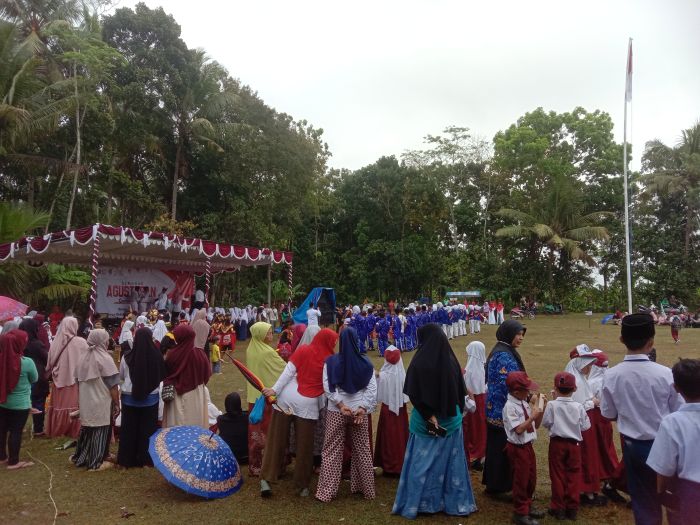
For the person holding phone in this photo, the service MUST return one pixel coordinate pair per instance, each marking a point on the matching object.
(435, 450)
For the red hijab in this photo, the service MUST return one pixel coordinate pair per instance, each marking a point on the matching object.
(188, 367)
(11, 349)
(309, 360)
(298, 331)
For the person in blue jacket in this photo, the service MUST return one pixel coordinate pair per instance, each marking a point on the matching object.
(382, 328)
(371, 322)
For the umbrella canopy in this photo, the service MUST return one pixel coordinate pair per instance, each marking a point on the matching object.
(9, 308)
(196, 460)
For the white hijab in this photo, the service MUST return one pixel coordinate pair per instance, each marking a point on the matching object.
(584, 393)
(309, 334)
(595, 378)
(475, 371)
(390, 385)
(159, 330)
(126, 336)
(142, 321)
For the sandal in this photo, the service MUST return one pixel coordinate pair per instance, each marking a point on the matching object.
(21, 464)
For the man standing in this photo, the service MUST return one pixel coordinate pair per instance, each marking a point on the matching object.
(638, 393)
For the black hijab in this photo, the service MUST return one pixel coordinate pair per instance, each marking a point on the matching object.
(36, 351)
(505, 335)
(146, 365)
(233, 404)
(434, 378)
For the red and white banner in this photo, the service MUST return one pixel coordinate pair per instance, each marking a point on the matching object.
(122, 289)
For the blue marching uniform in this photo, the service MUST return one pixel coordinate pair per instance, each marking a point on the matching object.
(371, 322)
(359, 324)
(410, 337)
(398, 332)
(382, 328)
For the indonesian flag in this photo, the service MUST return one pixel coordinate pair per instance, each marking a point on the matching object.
(628, 83)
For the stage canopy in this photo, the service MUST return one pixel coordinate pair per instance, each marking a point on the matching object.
(100, 244)
(128, 247)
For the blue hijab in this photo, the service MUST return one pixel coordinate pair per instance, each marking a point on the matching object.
(348, 369)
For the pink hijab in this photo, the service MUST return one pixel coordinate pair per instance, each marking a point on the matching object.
(96, 362)
(65, 353)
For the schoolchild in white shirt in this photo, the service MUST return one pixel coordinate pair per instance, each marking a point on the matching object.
(566, 420)
(520, 421)
(674, 456)
(638, 393)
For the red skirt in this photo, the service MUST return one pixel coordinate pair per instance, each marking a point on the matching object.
(61, 403)
(609, 463)
(257, 434)
(590, 457)
(392, 437)
(474, 430)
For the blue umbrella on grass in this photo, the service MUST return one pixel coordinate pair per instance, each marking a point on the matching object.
(196, 460)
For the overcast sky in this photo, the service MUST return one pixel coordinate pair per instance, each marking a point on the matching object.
(379, 75)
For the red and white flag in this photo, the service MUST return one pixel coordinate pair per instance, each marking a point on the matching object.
(628, 83)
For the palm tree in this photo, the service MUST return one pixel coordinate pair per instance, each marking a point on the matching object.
(676, 171)
(202, 100)
(559, 224)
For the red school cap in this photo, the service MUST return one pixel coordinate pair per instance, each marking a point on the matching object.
(520, 381)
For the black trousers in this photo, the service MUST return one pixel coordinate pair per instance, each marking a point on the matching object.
(497, 472)
(138, 424)
(11, 425)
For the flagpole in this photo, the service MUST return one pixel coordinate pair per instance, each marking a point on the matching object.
(626, 183)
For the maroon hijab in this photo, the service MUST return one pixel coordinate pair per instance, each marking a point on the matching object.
(11, 349)
(187, 366)
(298, 331)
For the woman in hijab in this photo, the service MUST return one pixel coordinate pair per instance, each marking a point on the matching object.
(141, 370)
(579, 366)
(201, 329)
(308, 335)
(267, 365)
(39, 353)
(299, 392)
(298, 330)
(17, 373)
(435, 477)
(188, 370)
(126, 337)
(242, 325)
(64, 355)
(503, 359)
(474, 424)
(392, 430)
(159, 331)
(609, 462)
(42, 330)
(351, 389)
(98, 380)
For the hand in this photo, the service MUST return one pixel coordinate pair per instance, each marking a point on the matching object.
(115, 411)
(359, 415)
(346, 411)
(596, 402)
(268, 392)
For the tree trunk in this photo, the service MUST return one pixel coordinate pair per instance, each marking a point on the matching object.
(30, 190)
(78, 158)
(110, 188)
(688, 229)
(176, 178)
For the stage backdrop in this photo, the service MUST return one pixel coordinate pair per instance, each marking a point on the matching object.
(114, 286)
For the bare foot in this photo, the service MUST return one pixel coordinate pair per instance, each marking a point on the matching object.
(21, 464)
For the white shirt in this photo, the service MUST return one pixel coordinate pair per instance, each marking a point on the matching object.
(514, 416)
(162, 302)
(199, 296)
(290, 400)
(638, 393)
(365, 398)
(566, 418)
(313, 314)
(674, 451)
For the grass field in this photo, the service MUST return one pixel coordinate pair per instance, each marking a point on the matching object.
(102, 497)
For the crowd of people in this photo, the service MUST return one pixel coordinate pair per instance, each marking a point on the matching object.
(318, 404)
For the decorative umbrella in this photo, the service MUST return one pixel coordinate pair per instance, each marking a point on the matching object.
(9, 308)
(196, 460)
(253, 379)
